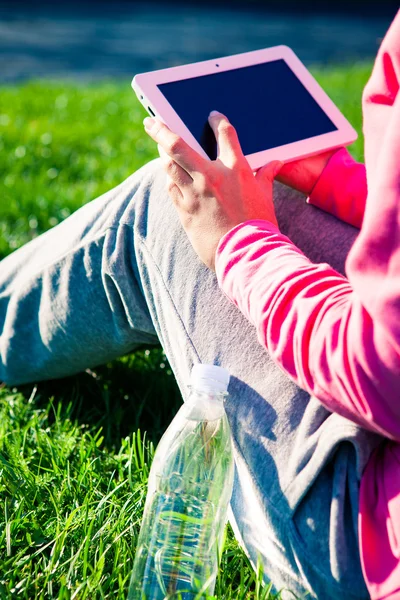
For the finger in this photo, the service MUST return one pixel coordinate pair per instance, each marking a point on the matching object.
(229, 149)
(175, 146)
(175, 171)
(173, 191)
(267, 174)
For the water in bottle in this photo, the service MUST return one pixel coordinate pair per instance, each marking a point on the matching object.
(190, 485)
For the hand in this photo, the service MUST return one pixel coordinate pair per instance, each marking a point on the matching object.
(303, 174)
(212, 197)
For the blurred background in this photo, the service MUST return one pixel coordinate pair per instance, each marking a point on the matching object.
(97, 39)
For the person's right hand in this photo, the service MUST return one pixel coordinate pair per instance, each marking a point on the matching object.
(302, 175)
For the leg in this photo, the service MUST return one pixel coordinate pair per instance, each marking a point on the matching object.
(120, 271)
(61, 308)
(298, 466)
(319, 235)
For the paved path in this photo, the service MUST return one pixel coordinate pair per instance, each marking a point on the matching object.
(130, 38)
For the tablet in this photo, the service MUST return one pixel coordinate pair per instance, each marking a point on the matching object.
(278, 109)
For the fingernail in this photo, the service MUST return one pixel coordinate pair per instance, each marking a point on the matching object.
(215, 113)
(148, 123)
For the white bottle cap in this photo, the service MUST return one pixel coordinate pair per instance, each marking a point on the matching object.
(209, 378)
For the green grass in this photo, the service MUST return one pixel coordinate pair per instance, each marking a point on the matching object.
(73, 463)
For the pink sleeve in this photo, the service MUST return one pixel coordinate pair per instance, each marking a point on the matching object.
(342, 188)
(313, 325)
(337, 338)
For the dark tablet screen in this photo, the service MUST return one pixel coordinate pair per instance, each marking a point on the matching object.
(266, 103)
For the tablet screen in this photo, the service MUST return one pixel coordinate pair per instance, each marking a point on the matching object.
(266, 103)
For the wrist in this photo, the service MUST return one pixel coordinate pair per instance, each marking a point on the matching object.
(318, 168)
(302, 175)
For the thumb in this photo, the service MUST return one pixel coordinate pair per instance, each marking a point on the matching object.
(227, 139)
(268, 173)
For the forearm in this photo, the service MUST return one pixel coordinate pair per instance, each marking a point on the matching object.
(313, 325)
(333, 181)
(341, 189)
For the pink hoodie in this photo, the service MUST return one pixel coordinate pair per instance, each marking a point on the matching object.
(339, 338)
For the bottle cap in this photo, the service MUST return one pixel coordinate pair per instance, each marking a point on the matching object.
(209, 378)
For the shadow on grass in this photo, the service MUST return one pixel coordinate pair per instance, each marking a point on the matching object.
(134, 392)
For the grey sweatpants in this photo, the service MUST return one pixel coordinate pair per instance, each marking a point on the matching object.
(120, 272)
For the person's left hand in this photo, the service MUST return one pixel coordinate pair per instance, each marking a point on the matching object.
(212, 197)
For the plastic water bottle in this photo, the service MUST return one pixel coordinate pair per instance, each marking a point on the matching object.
(189, 489)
